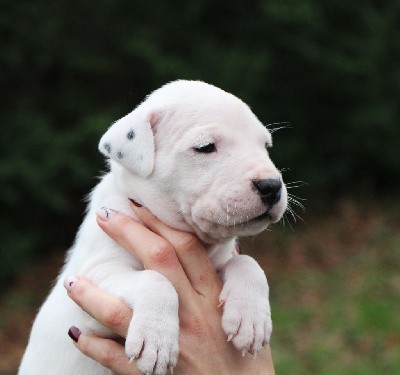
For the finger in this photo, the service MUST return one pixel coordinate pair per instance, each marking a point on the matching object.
(190, 251)
(107, 352)
(102, 306)
(153, 251)
(270, 366)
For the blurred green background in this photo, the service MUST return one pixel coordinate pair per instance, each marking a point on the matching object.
(329, 67)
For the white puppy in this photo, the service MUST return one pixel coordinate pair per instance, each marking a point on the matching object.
(196, 157)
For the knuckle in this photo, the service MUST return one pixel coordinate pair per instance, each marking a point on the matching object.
(195, 326)
(108, 356)
(162, 253)
(124, 224)
(114, 317)
(187, 242)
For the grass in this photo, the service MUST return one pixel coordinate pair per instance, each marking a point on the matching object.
(335, 294)
(344, 321)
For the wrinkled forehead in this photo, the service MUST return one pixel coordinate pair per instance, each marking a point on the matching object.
(216, 119)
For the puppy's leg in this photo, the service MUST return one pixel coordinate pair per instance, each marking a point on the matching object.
(152, 337)
(247, 315)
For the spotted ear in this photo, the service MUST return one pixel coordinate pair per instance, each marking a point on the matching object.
(130, 142)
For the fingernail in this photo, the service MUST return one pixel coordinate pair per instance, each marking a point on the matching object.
(105, 213)
(74, 333)
(69, 282)
(135, 203)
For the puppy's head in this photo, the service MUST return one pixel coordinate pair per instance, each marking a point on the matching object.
(197, 157)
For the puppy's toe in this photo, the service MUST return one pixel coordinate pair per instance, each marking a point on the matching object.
(267, 330)
(166, 359)
(231, 322)
(259, 338)
(147, 360)
(153, 344)
(157, 359)
(134, 345)
(244, 337)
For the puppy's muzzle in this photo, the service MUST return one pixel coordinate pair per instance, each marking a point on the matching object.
(269, 190)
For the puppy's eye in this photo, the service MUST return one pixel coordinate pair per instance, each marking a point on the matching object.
(206, 149)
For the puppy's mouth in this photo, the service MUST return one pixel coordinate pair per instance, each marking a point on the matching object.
(245, 221)
(266, 215)
(211, 228)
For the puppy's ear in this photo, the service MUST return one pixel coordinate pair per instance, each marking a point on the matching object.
(130, 141)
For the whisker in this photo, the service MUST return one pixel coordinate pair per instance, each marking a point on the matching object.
(296, 215)
(296, 197)
(293, 187)
(296, 202)
(300, 183)
(286, 123)
(289, 209)
(273, 130)
(283, 221)
(288, 221)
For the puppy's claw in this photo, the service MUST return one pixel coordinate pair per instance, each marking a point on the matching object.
(131, 359)
(255, 355)
(230, 337)
(220, 303)
(171, 369)
(243, 352)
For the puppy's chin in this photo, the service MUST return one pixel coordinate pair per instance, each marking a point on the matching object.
(211, 232)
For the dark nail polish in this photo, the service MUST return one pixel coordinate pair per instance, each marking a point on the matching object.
(135, 203)
(74, 333)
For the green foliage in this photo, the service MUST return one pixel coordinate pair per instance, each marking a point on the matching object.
(68, 69)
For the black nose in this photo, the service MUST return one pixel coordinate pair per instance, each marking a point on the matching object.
(269, 190)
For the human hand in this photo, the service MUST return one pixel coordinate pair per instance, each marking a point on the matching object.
(183, 260)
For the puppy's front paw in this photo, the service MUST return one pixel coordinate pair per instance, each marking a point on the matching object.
(152, 340)
(247, 316)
